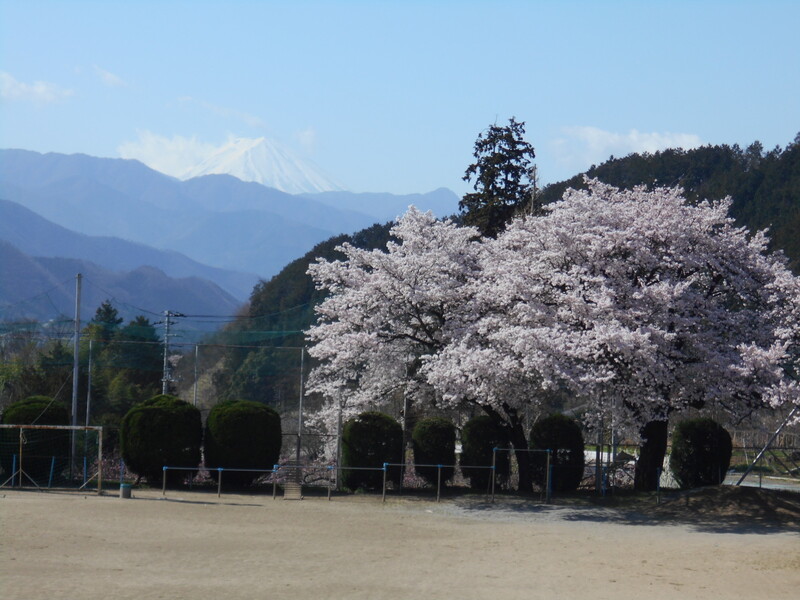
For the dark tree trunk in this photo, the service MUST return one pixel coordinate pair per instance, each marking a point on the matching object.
(520, 443)
(512, 422)
(651, 456)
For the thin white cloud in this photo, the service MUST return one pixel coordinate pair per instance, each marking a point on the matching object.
(109, 78)
(172, 156)
(228, 113)
(307, 139)
(581, 147)
(38, 91)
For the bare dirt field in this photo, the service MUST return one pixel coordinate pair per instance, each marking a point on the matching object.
(721, 544)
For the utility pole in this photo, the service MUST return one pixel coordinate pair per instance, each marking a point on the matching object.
(300, 407)
(196, 356)
(533, 173)
(76, 363)
(89, 385)
(167, 377)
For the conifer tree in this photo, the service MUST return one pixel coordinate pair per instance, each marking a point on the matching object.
(502, 172)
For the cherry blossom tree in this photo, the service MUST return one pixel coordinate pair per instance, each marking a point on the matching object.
(638, 303)
(386, 312)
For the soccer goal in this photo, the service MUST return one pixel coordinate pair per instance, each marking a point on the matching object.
(51, 456)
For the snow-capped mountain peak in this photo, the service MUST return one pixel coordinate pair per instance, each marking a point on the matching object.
(266, 162)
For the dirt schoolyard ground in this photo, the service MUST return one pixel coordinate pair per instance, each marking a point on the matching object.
(717, 543)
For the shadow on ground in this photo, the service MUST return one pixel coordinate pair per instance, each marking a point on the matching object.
(722, 509)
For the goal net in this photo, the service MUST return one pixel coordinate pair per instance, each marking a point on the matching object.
(51, 456)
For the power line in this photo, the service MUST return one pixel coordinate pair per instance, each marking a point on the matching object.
(111, 297)
(40, 295)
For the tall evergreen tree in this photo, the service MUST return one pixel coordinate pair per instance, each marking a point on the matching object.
(502, 171)
(105, 323)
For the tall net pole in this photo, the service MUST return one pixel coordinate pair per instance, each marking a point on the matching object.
(75, 365)
(300, 406)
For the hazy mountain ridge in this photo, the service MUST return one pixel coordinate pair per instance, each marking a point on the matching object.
(141, 290)
(36, 236)
(386, 207)
(126, 199)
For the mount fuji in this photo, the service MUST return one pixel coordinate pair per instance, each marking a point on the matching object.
(266, 162)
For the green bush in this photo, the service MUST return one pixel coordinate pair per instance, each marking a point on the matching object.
(434, 442)
(161, 431)
(368, 441)
(701, 453)
(39, 446)
(563, 437)
(241, 434)
(479, 437)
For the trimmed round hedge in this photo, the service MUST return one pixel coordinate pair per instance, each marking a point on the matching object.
(161, 431)
(479, 437)
(241, 434)
(434, 443)
(564, 438)
(368, 441)
(701, 453)
(40, 446)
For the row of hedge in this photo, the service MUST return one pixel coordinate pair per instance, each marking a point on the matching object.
(165, 430)
(372, 439)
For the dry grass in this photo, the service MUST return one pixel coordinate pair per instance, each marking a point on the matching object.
(711, 544)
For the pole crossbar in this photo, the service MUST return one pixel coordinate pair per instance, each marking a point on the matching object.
(515, 450)
(65, 427)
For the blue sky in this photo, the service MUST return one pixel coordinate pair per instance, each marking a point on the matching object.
(390, 96)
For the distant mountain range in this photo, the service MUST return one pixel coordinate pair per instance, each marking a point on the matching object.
(44, 288)
(121, 215)
(387, 207)
(35, 236)
(266, 162)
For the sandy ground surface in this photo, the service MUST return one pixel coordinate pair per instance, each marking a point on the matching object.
(195, 545)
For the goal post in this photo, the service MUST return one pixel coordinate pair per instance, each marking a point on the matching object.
(47, 456)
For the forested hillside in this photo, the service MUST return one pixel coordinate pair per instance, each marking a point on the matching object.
(262, 356)
(765, 187)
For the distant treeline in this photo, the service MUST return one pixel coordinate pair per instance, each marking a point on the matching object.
(764, 186)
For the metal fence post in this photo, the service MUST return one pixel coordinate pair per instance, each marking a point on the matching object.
(100, 461)
(438, 482)
(219, 482)
(164, 481)
(658, 486)
(494, 470)
(383, 499)
(549, 482)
